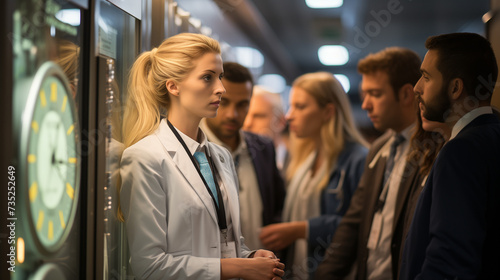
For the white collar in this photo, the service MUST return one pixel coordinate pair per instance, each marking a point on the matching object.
(192, 145)
(242, 146)
(468, 118)
(385, 149)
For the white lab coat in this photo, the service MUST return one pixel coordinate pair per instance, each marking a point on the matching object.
(170, 217)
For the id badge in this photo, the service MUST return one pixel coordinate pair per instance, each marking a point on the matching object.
(228, 250)
(375, 231)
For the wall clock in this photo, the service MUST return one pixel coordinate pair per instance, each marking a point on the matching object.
(49, 159)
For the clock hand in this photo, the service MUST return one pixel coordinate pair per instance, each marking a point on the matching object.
(53, 136)
(59, 172)
(55, 161)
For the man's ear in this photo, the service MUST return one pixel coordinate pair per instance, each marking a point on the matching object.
(172, 87)
(456, 88)
(406, 94)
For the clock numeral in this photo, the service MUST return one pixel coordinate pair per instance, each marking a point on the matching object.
(70, 129)
(43, 99)
(72, 160)
(33, 191)
(31, 158)
(70, 191)
(61, 218)
(39, 222)
(34, 126)
(53, 92)
(63, 107)
(51, 230)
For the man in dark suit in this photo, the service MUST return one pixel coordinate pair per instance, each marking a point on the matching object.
(262, 190)
(455, 233)
(367, 241)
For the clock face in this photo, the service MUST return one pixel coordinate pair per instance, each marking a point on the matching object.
(53, 161)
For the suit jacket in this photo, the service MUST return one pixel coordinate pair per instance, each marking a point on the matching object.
(170, 217)
(349, 244)
(456, 227)
(271, 186)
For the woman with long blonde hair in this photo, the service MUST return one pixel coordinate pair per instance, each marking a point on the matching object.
(179, 191)
(327, 160)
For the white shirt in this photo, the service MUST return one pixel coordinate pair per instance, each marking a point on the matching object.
(379, 263)
(250, 200)
(468, 118)
(302, 203)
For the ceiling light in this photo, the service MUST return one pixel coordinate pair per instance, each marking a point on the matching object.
(272, 82)
(324, 4)
(69, 16)
(333, 55)
(344, 81)
(249, 57)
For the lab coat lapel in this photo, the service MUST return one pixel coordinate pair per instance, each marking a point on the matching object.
(230, 186)
(185, 166)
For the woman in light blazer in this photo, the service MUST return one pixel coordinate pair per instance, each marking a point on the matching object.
(327, 159)
(181, 211)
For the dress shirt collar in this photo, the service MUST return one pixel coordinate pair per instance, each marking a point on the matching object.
(242, 146)
(385, 149)
(194, 146)
(407, 132)
(468, 118)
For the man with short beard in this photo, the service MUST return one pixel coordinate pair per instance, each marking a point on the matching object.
(262, 191)
(456, 226)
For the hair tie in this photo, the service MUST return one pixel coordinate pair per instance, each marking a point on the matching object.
(152, 54)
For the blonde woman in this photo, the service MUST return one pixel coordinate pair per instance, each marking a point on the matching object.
(327, 160)
(179, 191)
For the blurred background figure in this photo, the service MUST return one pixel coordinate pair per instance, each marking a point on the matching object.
(266, 117)
(327, 159)
(262, 191)
(368, 239)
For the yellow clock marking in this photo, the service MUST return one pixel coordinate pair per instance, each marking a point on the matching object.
(51, 230)
(63, 107)
(72, 160)
(53, 92)
(35, 127)
(33, 191)
(31, 158)
(70, 191)
(43, 99)
(39, 222)
(70, 129)
(61, 218)
(20, 250)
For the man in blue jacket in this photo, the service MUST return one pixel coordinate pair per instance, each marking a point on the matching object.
(455, 232)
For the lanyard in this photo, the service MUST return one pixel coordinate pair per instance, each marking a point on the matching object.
(221, 212)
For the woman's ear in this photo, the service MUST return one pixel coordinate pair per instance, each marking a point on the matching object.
(329, 111)
(455, 88)
(172, 87)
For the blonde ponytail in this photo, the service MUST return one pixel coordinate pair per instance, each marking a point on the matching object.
(148, 98)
